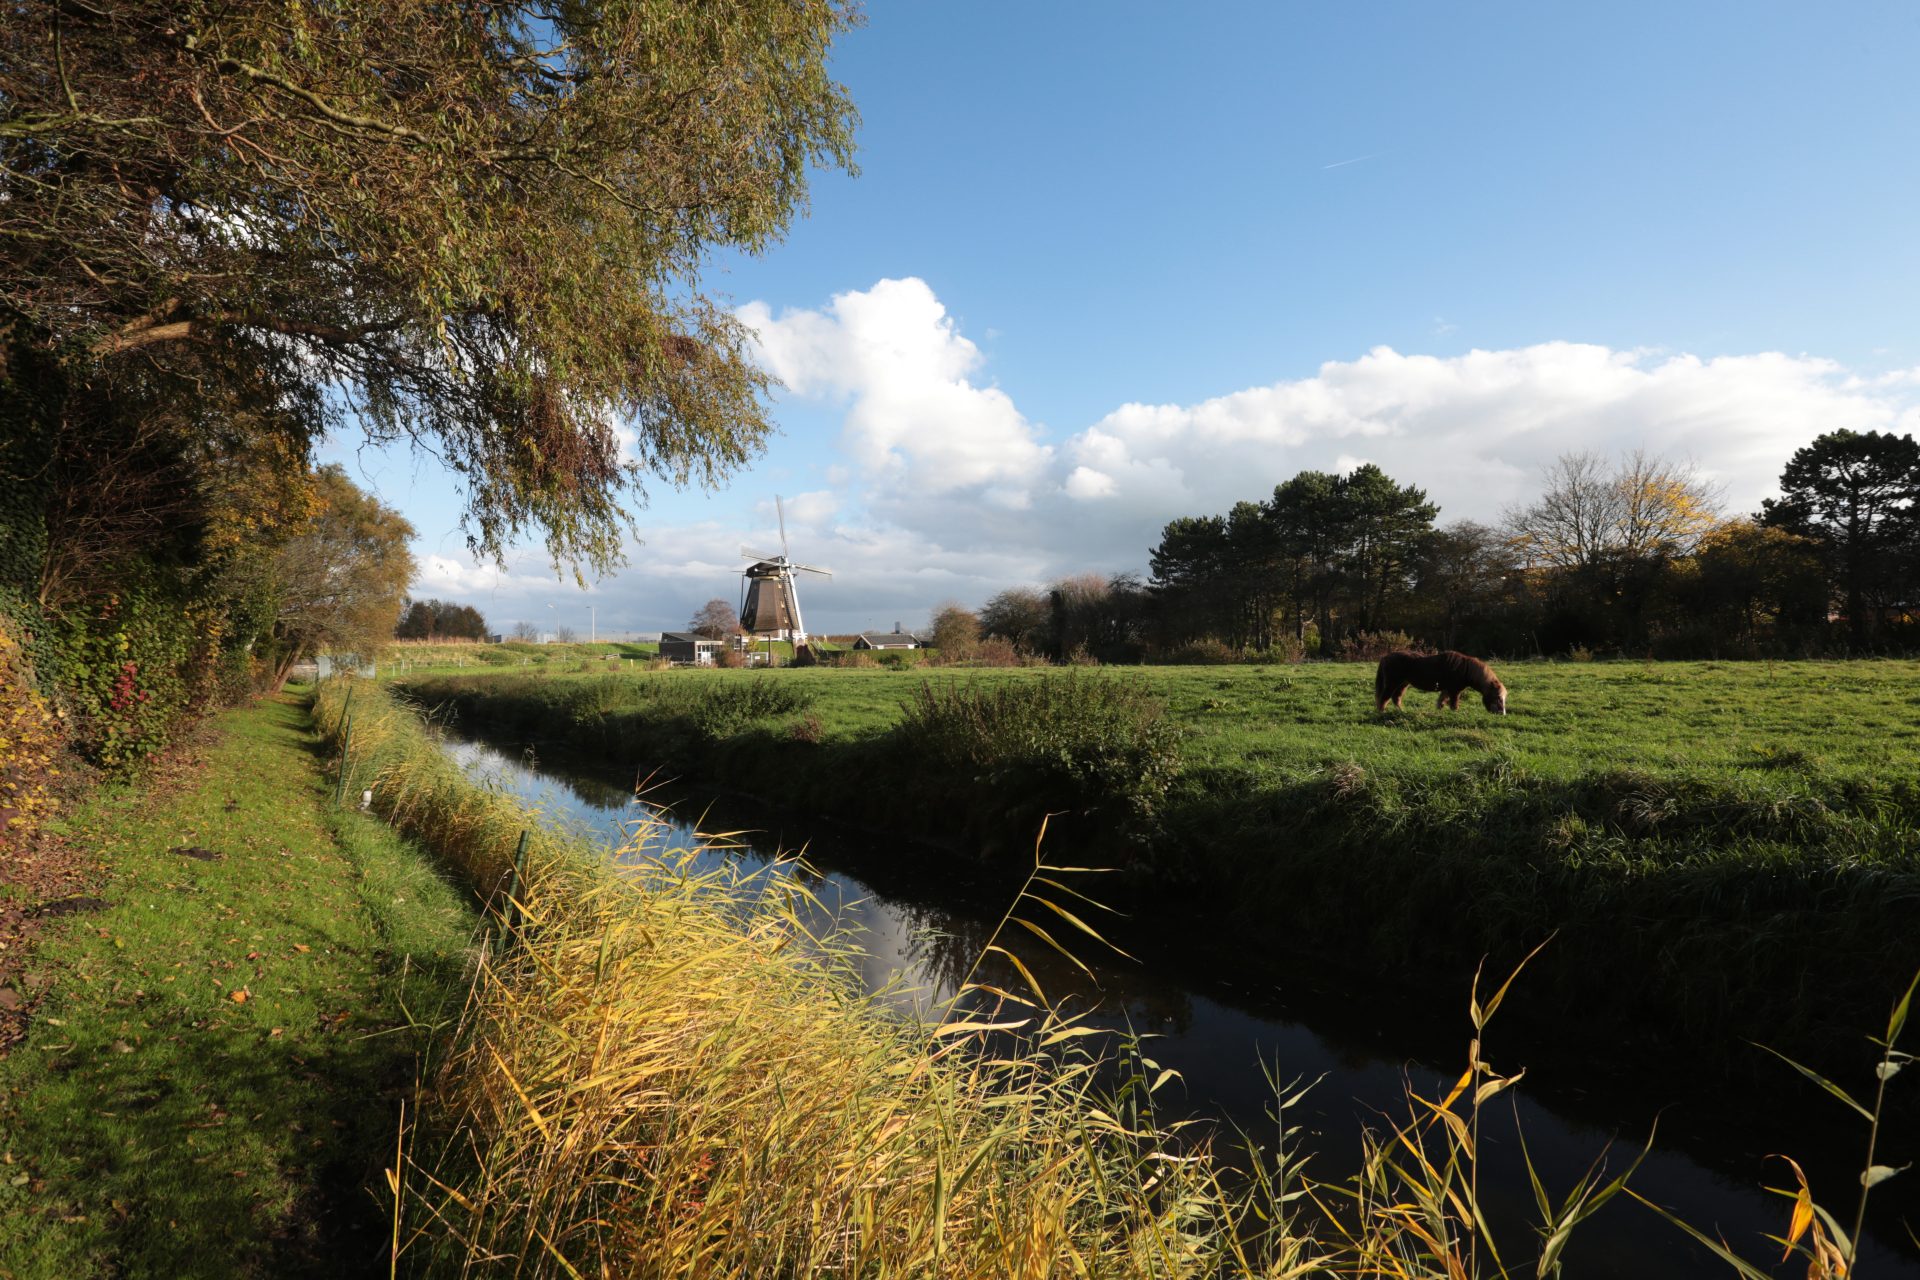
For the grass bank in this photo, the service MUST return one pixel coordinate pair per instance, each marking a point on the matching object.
(1727, 851)
(212, 1076)
(662, 1071)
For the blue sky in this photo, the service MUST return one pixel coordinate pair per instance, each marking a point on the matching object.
(1106, 265)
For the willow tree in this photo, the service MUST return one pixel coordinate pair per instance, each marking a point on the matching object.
(342, 576)
(476, 224)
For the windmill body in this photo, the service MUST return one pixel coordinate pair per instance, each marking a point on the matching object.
(769, 605)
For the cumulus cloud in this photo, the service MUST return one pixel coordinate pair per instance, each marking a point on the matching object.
(1475, 430)
(915, 416)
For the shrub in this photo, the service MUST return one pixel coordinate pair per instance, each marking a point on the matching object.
(1206, 652)
(127, 677)
(1289, 649)
(1371, 646)
(1072, 741)
(723, 708)
(997, 651)
(29, 744)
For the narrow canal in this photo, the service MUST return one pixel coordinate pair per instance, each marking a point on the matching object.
(1229, 1045)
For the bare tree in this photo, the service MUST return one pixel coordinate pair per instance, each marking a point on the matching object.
(1591, 514)
(715, 620)
(525, 631)
(1566, 527)
(1021, 615)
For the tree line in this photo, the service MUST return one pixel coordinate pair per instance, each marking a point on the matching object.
(439, 620)
(1634, 555)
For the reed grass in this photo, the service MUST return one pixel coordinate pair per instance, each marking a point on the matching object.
(664, 1071)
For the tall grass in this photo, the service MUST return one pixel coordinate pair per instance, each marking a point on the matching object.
(663, 1071)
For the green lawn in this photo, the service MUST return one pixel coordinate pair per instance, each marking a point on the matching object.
(212, 1083)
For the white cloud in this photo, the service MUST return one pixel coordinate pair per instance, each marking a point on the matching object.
(1475, 430)
(1087, 484)
(914, 417)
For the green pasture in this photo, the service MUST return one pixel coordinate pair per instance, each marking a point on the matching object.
(1837, 720)
(1739, 841)
(417, 659)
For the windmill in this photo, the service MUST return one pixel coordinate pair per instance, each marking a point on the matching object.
(769, 606)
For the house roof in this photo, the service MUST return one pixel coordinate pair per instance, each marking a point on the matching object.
(682, 637)
(896, 638)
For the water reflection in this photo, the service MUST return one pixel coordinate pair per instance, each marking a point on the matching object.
(919, 950)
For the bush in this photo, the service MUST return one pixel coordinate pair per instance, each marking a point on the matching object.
(127, 679)
(1371, 646)
(726, 707)
(1073, 741)
(29, 745)
(997, 651)
(1206, 652)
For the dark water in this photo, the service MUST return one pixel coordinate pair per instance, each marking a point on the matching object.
(921, 939)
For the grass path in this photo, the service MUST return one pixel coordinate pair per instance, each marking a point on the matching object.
(210, 1084)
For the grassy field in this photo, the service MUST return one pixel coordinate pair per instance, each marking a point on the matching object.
(210, 1083)
(1836, 719)
(1740, 841)
(415, 658)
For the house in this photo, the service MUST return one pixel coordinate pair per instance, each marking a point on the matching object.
(887, 640)
(690, 650)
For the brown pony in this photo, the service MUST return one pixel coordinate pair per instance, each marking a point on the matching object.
(1447, 672)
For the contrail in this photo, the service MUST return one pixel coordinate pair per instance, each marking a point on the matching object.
(1341, 164)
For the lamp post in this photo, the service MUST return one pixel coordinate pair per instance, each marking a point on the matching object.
(556, 623)
(593, 627)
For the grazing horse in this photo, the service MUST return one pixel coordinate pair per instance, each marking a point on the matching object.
(1447, 673)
